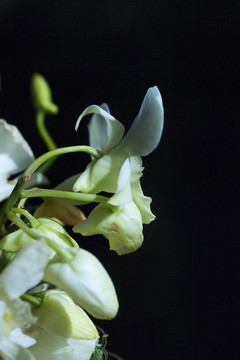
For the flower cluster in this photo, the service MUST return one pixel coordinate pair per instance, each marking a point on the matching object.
(49, 285)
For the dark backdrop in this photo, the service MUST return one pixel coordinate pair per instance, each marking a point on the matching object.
(176, 298)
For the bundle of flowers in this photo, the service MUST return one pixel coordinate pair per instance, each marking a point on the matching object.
(49, 285)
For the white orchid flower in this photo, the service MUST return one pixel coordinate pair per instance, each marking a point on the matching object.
(64, 330)
(106, 135)
(15, 156)
(85, 279)
(119, 220)
(22, 273)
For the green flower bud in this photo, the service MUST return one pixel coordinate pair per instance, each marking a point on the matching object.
(59, 315)
(42, 95)
(66, 213)
(86, 280)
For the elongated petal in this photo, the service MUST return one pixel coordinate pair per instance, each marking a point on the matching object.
(146, 130)
(86, 280)
(123, 194)
(103, 126)
(15, 153)
(142, 202)
(99, 129)
(25, 270)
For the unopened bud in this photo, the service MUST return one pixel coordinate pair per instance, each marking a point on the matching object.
(42, 95)
(59, 315)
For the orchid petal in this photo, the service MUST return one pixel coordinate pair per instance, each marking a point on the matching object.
(122, 226)
(105, 131)
(101, 174)
(100, 131)
(146, 130)
(15, 153)
(123, 194)
(142, 202)
(67, 185)
(25, 270)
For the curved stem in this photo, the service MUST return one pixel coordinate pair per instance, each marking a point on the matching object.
(64, 195)
(33, 221)
(115, 356)
(50, 154)
(32, 299)
(46, 137)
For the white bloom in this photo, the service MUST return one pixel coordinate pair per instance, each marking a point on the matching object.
(15, 156)
(22, 273)
(119, 220)
(106, 135)
(86, 280)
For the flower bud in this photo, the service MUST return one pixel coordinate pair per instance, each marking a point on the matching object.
(86, 280)
(59, 315)
(122, 226)
(41, 95)
(47, 227)
(67, 213)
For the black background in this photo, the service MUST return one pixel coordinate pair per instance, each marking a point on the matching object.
(178, 292)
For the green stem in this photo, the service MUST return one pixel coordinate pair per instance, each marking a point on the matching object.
(32, 299)
(33, 221)
(65, 150)
(115, 356)
(46, 137)
(64, 195)
(36, 236)
(40, 122)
